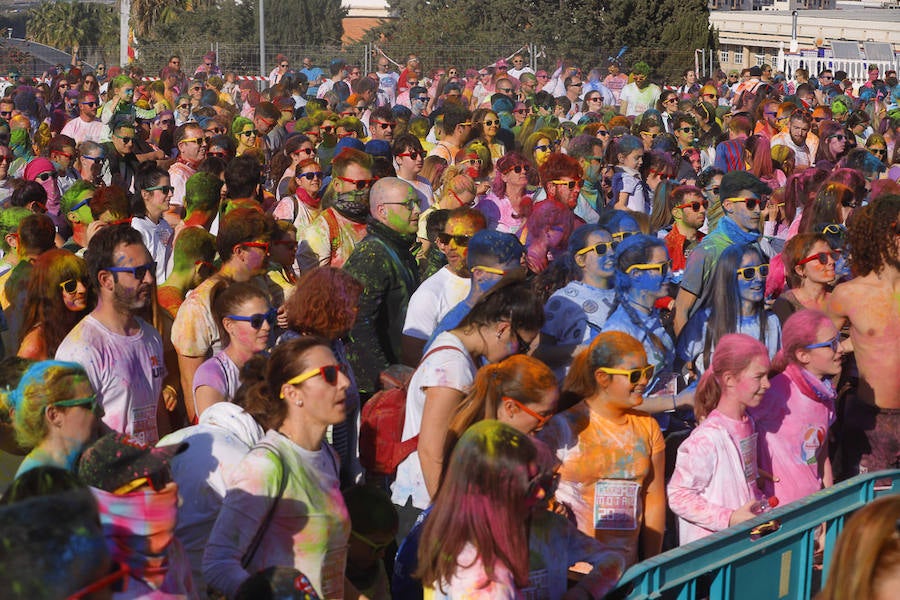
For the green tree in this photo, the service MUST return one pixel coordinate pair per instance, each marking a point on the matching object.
(63, 24)
(306, 22)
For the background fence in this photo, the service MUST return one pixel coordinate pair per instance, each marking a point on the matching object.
(243, 58)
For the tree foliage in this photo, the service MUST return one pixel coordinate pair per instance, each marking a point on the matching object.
(664, 33)
(65, 24)
(307, 22)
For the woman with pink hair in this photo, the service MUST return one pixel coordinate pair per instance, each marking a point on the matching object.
(714, 483)
(798, 409)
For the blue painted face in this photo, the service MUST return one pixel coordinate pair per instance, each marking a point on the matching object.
(754, 289)
(651, 281)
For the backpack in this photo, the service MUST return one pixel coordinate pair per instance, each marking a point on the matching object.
(381, 449)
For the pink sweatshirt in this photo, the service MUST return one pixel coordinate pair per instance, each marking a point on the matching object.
(715, 474)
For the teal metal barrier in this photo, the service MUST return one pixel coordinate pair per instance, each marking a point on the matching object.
(769, 557)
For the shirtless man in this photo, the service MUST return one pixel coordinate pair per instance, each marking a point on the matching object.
(868, 431)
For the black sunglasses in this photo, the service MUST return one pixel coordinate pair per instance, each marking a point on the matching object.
(256, 321)
(461, 240)
(312, 175)
(518, 169)
(70, 286)
(695, 206)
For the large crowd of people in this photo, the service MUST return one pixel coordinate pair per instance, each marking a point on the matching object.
(435, 332)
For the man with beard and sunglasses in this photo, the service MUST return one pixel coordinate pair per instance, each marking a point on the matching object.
(742, 198)
(86, 126)
(331, 237)
(121, 353)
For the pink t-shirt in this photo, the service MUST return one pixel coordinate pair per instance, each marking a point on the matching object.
(793, 421)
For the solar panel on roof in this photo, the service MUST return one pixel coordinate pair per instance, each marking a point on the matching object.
(845, 50)
(880, 51)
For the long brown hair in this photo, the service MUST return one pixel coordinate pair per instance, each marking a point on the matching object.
(482, 502)
(44, 303)
(520, 376)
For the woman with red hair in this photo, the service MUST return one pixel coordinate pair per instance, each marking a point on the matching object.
(324, 304)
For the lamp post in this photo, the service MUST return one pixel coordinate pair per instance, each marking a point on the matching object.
(262, 38)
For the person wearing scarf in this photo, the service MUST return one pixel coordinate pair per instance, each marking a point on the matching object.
(798, 409)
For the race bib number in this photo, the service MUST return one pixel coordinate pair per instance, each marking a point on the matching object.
(538, 586)
(748, 457)
(616, 504)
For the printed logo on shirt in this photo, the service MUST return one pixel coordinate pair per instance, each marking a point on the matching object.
(812, 440)
(156, 367)
(615, 504)
(590, 306)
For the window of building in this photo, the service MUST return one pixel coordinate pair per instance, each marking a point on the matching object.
(723, 56)
(738, 57)
(760, 60)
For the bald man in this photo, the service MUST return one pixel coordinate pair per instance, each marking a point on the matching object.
(384, 264)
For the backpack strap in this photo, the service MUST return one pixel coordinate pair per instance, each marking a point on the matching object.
(257, 539)
(334, 236)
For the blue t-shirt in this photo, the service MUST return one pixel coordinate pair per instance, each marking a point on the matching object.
(312, 74)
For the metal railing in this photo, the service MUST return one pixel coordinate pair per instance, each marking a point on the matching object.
(857, 69)
(770, 556)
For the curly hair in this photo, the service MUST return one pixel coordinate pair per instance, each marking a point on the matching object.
(324, 303)
(871, 235)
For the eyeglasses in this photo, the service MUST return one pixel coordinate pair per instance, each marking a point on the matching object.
(595, 99)
(822, 257)
(621, 235)
(84, 202)
(663, 268)
(139, 272)
(165, 189)
(695, 205)
(522, 347)
(329, 373)
(670, 100)
(749, 273)
(751, 203)
(647, 134)
(6, 159)
(311, 175)
(491, 270)
(256, 321)
(504, 90)
(306, 151)
(264, 246)
(546, 147)
(465, 124)
(221, 155)
(461, 240)
(413, 154)
(491, 122)
(472, 162)
(95, 159)
(126, 139)
(518, 169)
(520, 111)
(212, 130)
(184, 106)
(409, 204)
(90, 104)
(422, 98)
(714, 190)
(878, 151)
(569, 184)
(386, 124)
(250, 133)
(285, 66)
(826, 77)
(46, 175)
(117, 579)
(634, 375)
(327, 128)
(376, 548)
(70, 286)
(687, 129)
(541, 419)
(834, 344)
(602, 133)
(5, 113)
(837, 136)
(714, 96)
(600, 248)
(360, 184)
